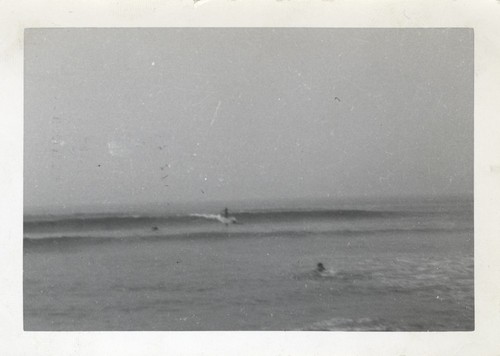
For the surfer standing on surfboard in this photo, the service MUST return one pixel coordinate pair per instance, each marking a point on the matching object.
(227, 220)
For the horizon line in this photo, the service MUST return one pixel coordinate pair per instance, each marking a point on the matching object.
(183, 206)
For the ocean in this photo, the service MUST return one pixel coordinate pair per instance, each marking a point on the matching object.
(393, 266)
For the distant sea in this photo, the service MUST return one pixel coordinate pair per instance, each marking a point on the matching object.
(388, 266)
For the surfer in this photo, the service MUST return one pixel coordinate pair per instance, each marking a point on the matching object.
(320, 268)
(225, 217)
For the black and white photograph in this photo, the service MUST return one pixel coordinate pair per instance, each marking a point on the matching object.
(263, 179)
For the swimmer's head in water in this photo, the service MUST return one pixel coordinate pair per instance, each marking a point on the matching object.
(320, 267)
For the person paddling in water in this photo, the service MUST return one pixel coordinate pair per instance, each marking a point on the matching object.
(320, 268)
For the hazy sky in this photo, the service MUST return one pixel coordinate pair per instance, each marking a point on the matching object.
(136, 116)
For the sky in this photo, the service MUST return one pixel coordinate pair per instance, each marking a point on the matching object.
(121, 118)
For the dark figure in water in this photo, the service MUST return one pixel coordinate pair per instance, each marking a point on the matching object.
(154, 228)
(320, 268)
(226, 213)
